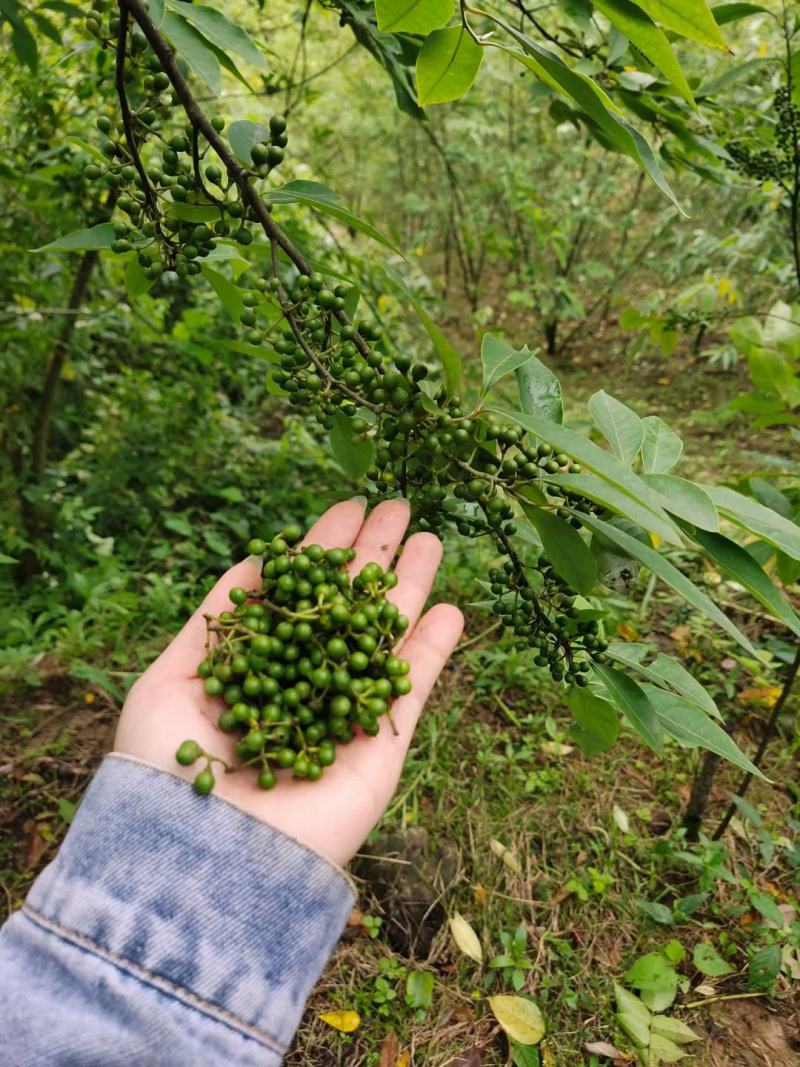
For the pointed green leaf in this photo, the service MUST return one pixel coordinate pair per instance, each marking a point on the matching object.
(591, 456)
(192, 46)
(633, 1016)
(632, 700)
(354, 457)
(686, 723)
(620, 426)
(447, 65)
(663, 671)
(724, 13)
(413, 16)
(243, 135)
(662, 1050)
(325, 200)
(689, 18)
(229, 294)
(709, 962)
(683, 498)
(220, 31)
(663, 569)
(661, 448)
(617, 500)
(642, 32)
(539, 390)
(498, 358)
(737, 562)
(449, 356)
(763, 522)
(596, 726)
(96, 237)
(588, 95)
(565, 549)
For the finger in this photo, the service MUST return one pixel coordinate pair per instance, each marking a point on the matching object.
(380, 536)
(428, 649)
(339, 526)
(416, 569)
(188, 648)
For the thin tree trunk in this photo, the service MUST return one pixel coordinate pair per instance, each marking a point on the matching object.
(698, 800)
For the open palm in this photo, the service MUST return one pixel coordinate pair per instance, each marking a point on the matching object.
(333, 816)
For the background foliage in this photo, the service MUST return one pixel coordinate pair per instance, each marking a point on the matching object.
(142, 446)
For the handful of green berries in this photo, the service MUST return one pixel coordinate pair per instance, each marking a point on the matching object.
(302, 665)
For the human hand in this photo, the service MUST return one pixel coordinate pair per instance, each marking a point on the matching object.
(334, 815)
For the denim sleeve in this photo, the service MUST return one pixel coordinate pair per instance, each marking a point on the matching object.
(171, 930)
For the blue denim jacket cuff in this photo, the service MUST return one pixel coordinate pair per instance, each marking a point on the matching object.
(195, 896)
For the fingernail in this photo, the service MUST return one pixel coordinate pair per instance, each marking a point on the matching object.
(256, 561)
(360, 500)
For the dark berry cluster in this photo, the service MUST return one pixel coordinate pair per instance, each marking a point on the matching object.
(776, 161)
(302, 665)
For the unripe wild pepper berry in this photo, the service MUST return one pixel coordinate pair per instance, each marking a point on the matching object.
(314, 652)
(427, 447)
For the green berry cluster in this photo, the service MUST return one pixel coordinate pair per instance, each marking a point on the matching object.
(158, 170)
(302, 665)
(460, 467)
(776, 161)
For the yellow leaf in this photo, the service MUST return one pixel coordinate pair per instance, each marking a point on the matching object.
(655, 539)
(404, 1059)
(506, 855)
(343, 1021)
(89, 698)
(626, 631)
(481, 896)
(766, 695)
(520, 1018)
(548, 1059)
(465, 938)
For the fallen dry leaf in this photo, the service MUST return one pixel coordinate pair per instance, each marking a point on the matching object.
(34, 849)
(343, 1021)
(356, 917)
(764, 696)
(390, 1050)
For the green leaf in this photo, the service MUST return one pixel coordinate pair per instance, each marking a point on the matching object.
(354, 457)
(217, 543)
(617, 500)
(683, 498)
(66, 810)
(765, 905)
(24, 44)
(188, 212)
(585, 92)
(634, 1018)
(565, 548)
(136, 281)
(763, 522)
(596, 726)
(228, 293)
(179, 525)
(724, 13)
(498, 358)
(447, 65)
(155, 9)
(663, 671)
(192, 46)
(686, 723)
(661, 448)
(242, 135)
(708, 961)
(96, 237)
(642, 32)
(413, 16)
(4, 559)
(620, 426)
(519, 1017)
(539, 390)
(653, 971)
(765, 966)
(632, 701)
(325, 200)
(662, 1050)
(737, 562)
(220, 31)
(449, 356)
(419, 989)
(689, 18)
(591, 456)
(670, 574)
(659, 913)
